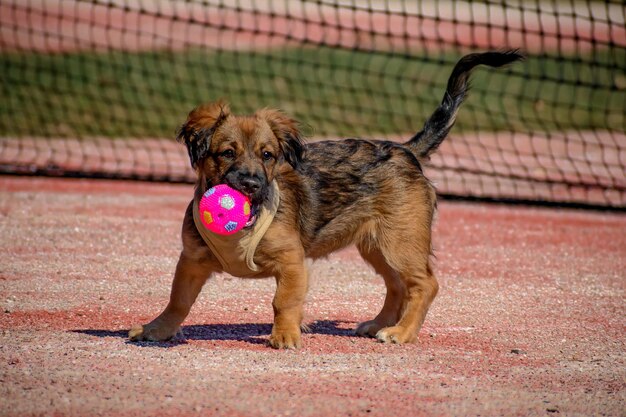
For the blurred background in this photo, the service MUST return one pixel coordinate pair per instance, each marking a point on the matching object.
(98, 88)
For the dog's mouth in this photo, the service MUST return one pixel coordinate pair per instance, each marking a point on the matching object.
(256, 200)
(254, 211)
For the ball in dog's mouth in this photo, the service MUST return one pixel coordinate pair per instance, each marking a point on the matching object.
(256, 201)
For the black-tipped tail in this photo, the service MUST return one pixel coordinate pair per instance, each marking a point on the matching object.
(441, 121)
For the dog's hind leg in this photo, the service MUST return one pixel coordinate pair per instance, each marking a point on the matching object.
(407, 251)
(403, 237)
(421, 289)
(394, 299)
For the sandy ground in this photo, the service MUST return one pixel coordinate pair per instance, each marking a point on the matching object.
(530, 319)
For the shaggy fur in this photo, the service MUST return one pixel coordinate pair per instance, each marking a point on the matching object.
(372, 194)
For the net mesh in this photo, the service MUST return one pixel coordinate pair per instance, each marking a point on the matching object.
(98, 88)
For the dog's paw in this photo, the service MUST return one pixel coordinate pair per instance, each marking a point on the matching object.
(368, 328)
(371, 328)
(285, 339)
(151, 333)
(395, 334)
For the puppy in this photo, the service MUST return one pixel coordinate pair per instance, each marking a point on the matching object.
(326, 196)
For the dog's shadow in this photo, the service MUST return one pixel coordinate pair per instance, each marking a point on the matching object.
(254, 333)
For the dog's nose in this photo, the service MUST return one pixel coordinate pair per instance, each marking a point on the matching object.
(250, 183)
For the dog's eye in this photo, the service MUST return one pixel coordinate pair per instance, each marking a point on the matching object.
(228, 154)
(267, 155)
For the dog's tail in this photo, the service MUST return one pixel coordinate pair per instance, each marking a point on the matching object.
(441, 121)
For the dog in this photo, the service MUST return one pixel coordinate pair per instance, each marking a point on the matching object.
(332, 194)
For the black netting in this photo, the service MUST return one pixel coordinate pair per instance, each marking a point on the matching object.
(98, 88)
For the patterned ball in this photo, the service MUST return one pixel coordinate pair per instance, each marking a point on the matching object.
(223, 210)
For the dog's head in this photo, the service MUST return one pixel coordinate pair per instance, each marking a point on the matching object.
(245, 152)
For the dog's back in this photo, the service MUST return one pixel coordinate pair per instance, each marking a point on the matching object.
(350, 189)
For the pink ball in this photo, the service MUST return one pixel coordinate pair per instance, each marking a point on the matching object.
(223, 210)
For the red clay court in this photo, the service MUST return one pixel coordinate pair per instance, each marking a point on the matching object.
(529, 320)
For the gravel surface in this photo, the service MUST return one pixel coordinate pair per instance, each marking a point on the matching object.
(530, 319)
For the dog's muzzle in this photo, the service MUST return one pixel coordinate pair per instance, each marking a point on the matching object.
(254, 186)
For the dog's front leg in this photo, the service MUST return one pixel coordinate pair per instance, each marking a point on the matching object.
(291, 288)
(189, 278)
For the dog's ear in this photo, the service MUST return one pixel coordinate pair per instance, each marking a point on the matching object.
(286, 131)
(201, 123)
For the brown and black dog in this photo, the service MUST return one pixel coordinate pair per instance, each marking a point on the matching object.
(332, 194)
